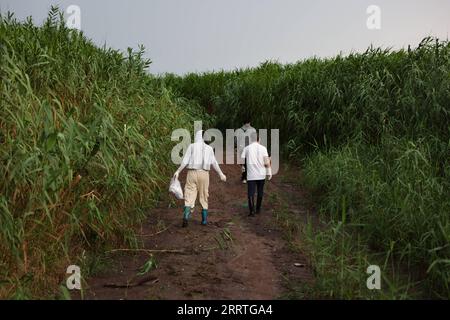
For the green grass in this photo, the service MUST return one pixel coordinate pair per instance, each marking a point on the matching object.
(394, 201)
(84, 150)
(85, 147)
(372, 131)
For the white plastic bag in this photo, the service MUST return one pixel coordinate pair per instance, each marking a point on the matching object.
(175, 188)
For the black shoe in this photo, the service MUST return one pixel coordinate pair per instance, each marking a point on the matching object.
(185, 223)
(251, 214)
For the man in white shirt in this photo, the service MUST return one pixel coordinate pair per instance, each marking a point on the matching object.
(258, 167)
(199, 158)
(243, 140)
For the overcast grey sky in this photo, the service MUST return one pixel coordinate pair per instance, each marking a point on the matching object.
(203, 35)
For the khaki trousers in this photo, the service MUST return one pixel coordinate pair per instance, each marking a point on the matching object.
(197, 181)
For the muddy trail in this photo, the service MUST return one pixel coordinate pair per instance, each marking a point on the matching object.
(233, 257)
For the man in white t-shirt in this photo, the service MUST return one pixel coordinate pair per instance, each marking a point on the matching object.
(243, 140)
(258, 167)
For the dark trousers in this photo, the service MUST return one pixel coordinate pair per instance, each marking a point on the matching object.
(255, 185)
(252, 186)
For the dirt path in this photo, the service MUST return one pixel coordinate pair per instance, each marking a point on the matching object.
(234, 257)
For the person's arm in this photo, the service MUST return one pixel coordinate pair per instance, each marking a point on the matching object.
(244, 153)
(184, 162)
(268, 165)
(216, 167)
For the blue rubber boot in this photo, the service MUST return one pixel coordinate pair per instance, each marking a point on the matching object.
(204, 216)
(186, 215)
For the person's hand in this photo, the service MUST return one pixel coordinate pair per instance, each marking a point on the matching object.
(269, 174)
(223, 177)
(175, 175)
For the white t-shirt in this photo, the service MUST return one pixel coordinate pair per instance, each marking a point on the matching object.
(255, 154)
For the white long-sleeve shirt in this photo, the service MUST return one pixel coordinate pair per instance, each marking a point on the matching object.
(243, 137)
(200, 156)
